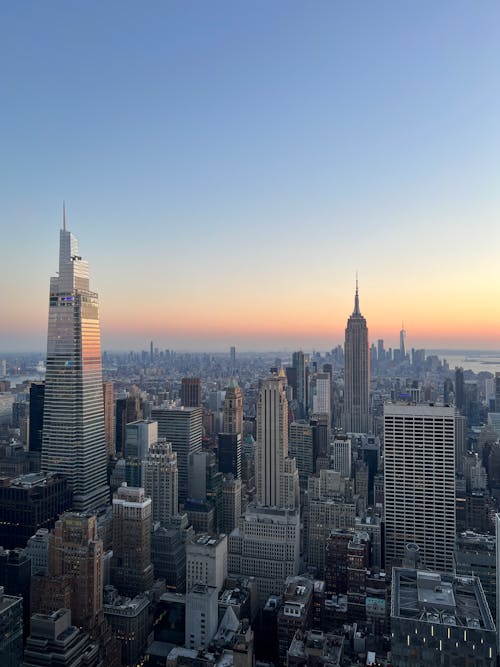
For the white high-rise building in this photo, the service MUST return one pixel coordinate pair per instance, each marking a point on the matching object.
(276, 475)
(320, 394)
(201, 616)
(357, 373)
(206, 562)
(160, 481)
(73, 424)
(340, 455)
(419, 483)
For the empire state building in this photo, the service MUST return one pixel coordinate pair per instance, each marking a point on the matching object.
(356, 373)
(73, 441)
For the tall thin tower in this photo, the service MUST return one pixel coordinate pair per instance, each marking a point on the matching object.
(276, 474)
(402, 343)
(73, 428)
(357, 372)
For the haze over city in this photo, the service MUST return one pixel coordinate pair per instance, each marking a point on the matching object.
(228, 168)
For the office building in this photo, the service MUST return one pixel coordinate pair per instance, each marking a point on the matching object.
(230, 440)
(75, 551)
(475, 555)
(419, 483)
(357, 373)
(206, 561)
(340, 455)
(299, 364)
(320, 394)
(201, 616)
(30, 502)
(160, 481)
(130, 619)
(131, 568)
(37, 399)
(301, 448)
(11, 630)
(276, 475)
(229, 453)
(55, 642)
(37, 549)
(128, 410)
(183, 428)
(73, 441)
(266, 545)
(168, 551)
(440, 619)
(108, 394)
(231, 504)
(15, 578)
(191, 392)
(295, 613)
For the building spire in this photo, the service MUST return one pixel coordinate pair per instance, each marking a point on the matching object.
(356, 298)
(64, 216)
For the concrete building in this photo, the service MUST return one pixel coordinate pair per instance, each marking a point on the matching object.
(131, 568)
(231, 504)
(320, 394)
(76, 559)
(37, 549)
(295, 612)
(340, 455)
(183, 428)
(440, 619)
(475, 555)
(277, 481)
(301, 448)
(201, 616)
(419, 478)
(168, 551)
(160, 481)
(266, 545)
(206, 562)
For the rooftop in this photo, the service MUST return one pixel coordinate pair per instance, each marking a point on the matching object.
(440, 598)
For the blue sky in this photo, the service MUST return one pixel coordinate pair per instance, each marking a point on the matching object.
(247, 158)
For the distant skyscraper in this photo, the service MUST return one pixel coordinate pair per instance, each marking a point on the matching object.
(300, 388)
(419, 473)
(232, 355)
(357, 373)
(73, 422)
(277, 476)
(229, 442)
(460, 389)
(191, 392)
(402, 343)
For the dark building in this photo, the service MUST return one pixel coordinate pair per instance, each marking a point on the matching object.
(37, 398)
(295, 614)
(460, 390)
(191, 392)
(31, 502)
(336, 560)
(229, 453)
(11, 630)
(15, 577)
(54, 642)
(168, 551)
(127, 410)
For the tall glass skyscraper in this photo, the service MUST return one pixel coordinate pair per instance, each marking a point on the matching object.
(73, 440)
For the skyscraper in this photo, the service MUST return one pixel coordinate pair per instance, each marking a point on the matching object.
(402, 343)
(191, 392)
(419, 473)
(357, 372)
(183, 428)
(229, 442)
(300, 388)
(73, 422)
(277, 476)
(109, 417)
(160, 480)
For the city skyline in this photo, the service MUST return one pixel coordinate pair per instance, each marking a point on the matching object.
(229, 169)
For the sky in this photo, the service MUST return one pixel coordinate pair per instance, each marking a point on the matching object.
(228, 166)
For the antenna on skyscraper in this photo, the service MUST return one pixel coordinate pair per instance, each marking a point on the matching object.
(64, 216)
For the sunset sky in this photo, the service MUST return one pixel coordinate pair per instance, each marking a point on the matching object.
(228, 166)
